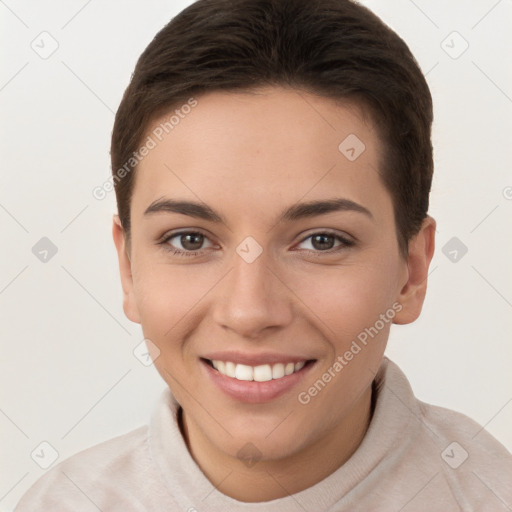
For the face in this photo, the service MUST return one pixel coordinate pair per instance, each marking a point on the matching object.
(261, 247)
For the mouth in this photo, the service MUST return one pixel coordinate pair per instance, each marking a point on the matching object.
(256, 384)
(259, 373)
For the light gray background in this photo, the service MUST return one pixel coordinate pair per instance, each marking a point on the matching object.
(68, 375)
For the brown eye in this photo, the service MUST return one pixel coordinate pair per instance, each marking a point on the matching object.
(326, 242)
(323, 241)
(191, 241)
(186, 243)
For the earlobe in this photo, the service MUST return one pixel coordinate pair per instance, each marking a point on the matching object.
(412, 294)
(125, 268)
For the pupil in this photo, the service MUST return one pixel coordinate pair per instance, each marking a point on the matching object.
(186, 241)
(323, 244)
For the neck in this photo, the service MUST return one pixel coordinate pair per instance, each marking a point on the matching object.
(277, 478)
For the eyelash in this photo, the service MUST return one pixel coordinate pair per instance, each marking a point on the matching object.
(345, 243)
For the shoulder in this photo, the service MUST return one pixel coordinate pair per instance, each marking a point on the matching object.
(474, 464)
(452, 425)
(102, 476)
(446, 455)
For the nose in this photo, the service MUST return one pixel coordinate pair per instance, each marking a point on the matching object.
(253, 297)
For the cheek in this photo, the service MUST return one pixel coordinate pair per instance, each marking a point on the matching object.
(165, 291)
(161, 295)
(347, 299)
(167, 298)
(170, 301)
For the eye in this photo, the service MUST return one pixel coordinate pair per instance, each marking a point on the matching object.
(325, 242)
(189, 243)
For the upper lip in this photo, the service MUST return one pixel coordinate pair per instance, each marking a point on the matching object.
(254, 359)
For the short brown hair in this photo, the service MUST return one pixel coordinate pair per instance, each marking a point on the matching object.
(333, 48)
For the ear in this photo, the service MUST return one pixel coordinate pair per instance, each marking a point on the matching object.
(125, 267)
(412, 294)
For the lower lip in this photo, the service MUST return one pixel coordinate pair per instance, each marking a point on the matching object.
(253, 392)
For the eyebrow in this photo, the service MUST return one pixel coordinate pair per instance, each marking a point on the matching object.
(293, 213)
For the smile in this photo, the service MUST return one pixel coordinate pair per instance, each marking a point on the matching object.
(260, 373)
(255, 378)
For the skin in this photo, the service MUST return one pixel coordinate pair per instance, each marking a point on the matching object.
(248, 157)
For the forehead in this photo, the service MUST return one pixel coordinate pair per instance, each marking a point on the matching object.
(260, 150)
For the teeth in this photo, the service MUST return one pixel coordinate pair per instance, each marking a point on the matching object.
(298, 366)
(261, 373)
(230, 369)
(243, 372)
(278, 371)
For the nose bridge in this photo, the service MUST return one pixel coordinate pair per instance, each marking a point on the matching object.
(252, 297)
